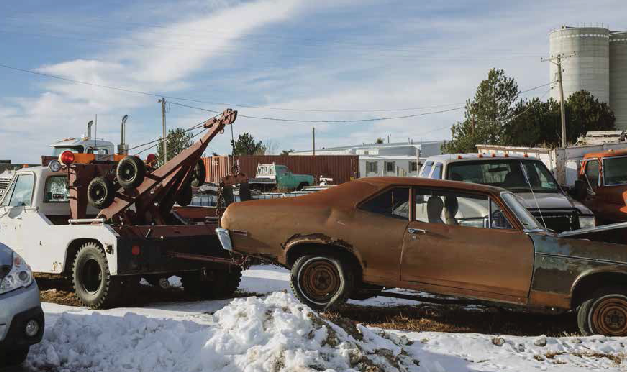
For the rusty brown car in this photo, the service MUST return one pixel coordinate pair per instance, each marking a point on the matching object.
(442, 237)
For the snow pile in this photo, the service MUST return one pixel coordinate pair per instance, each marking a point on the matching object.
(275, 333)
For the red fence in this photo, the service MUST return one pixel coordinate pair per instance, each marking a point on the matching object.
(341, 168)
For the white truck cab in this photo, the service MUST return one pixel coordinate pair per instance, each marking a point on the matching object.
(84, 145)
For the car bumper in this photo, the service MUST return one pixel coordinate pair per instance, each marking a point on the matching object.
(17, 309)
(225, 239)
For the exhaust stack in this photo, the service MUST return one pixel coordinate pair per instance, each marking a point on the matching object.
(123, 147)
(91, 122)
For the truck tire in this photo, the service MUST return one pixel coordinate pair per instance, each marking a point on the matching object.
(185, 196)
(322, 282)
(13, 358)
(223, 285)
(93, 284)
(605, 313)
(198, 174)
(130, 172)
(100, 192)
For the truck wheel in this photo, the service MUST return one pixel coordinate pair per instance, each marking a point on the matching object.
(100, 192)
(130, 172)
(321, 282)
(605, 313)
(13, 358)
(185, 196)
(93, 284)
(198, 174)
(223, 285)
(302, 186)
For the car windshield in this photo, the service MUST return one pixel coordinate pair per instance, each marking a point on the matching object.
(528, 221)
(615, 171)
(59, 150)
(512, 174)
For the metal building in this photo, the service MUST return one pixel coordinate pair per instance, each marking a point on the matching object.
(596, 61)
(618, 77)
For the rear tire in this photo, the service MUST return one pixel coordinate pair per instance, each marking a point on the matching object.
(130, 172)
(100, 192)
(13, 358)
(322, 282)
(605, 313)
(93, 284)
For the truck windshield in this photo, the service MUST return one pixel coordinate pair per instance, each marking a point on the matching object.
(512, 174)
(528, 221)
(59, 150)
(615, 171)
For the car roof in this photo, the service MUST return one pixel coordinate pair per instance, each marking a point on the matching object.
(453, 158)
(383, 182)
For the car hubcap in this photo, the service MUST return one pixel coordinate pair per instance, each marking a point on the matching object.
(98, 193)
(91, 276)
(320, 280)
(128, 173)
(610, 316)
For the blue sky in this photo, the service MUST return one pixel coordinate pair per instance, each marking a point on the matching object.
(305, 60)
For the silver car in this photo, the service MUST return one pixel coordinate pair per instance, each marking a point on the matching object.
(21, 316)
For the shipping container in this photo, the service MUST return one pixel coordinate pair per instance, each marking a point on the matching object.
(341, 168)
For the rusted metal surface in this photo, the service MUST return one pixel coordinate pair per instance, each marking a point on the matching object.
(535, 269)
(341, 168)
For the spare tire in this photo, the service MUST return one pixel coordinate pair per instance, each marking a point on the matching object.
(100, 192)
(130, 172)
(198, 174)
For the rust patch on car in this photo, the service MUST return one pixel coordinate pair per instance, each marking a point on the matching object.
(316, 238)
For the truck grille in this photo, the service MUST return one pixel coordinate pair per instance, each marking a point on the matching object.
(558, 221)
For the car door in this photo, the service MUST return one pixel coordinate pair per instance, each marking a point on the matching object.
(466, 246)
(378, 230)
(18, 199)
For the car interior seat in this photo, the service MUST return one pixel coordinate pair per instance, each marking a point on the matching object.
(451, 207)
(434, 209)
(514, 179)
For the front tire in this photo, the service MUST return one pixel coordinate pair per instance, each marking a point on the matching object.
(322, 282)
(605, 313)
(93, 284)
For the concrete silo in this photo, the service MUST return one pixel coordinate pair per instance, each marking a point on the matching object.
(618, 78)
(589, 68)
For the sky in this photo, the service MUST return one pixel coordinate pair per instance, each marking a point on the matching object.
(327, 60)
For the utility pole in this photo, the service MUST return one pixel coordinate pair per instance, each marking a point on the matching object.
(165, 136)
(557, 60)
(313, 138)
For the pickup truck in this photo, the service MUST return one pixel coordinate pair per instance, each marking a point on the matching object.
(274, 176)
(602, 185)
(526, 177)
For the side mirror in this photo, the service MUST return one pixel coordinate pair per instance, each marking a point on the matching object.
(581, 189)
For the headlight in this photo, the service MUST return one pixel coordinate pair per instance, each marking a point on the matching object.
(20, 276)
(586, 222)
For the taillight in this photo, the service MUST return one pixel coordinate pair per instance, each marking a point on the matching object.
(67, 157)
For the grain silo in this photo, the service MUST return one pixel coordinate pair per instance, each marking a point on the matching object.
(618, 77)
(589, 67)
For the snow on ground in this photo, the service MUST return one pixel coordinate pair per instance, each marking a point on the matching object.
(276, 333)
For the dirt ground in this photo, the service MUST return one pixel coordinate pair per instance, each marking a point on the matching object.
(424, 317)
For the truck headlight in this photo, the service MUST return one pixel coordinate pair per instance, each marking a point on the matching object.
(586, 222)
(20, 276)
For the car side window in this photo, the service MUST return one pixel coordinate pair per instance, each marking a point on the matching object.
(452, 208)
(437, 171)
(391, 203)
(497, 218)
(426, 169)
(592, 173)
(21, 191)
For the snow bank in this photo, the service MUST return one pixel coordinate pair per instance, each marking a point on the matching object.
(275, 333)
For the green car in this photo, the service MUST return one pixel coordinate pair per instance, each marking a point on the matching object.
(275, 176)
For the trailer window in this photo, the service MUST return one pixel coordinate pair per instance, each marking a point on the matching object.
(21, 191)
(371, 167)
(56, 190)
(390, 167)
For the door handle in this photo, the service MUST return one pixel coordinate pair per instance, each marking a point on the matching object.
(412, 230)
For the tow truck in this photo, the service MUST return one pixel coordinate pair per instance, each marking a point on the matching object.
(105, 224)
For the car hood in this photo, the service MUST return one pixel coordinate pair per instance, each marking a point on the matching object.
(6, 260)
(551, 200)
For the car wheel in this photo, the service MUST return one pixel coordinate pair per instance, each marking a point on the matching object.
(605, 313)
(100, 192)
(321, 282)
(93, 284)
(130, 172)
(13, 358)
